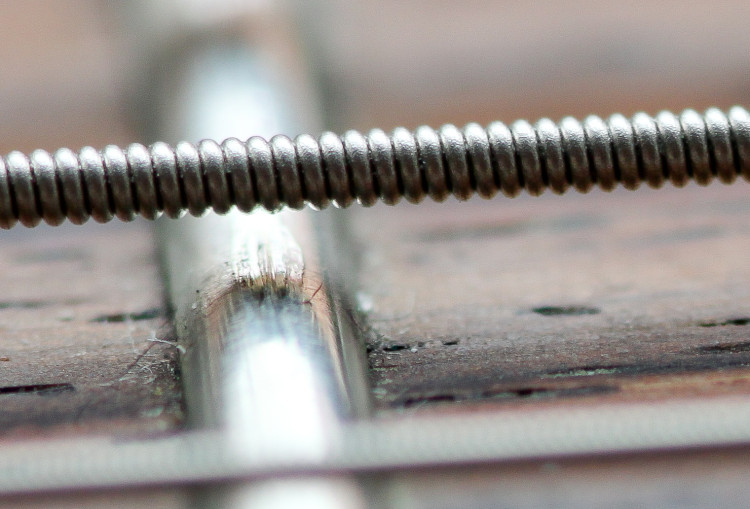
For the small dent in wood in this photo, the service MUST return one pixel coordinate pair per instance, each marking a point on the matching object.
(40, 389)
(726, 348)
(551, 392)
(731, 321)
(146, 314)
(519, 393)
(566, 310)
(394, 347)
(24, 304)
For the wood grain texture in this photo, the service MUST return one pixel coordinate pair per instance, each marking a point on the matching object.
(79, 313)
(557, 300)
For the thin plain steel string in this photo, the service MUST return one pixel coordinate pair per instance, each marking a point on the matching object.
(122, 183)
(367, 447)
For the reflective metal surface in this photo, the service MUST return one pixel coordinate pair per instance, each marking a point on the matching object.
(354, 167)
(262, 358)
